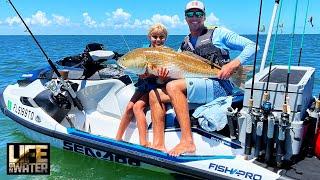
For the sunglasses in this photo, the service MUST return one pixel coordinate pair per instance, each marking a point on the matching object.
(198, 14)
(160, 37)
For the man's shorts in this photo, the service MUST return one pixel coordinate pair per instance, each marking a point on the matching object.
(204, 90)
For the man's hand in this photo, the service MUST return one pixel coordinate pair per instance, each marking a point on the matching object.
(163, 74)
(228, 69)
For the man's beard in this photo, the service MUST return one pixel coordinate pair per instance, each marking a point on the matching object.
(196, 28)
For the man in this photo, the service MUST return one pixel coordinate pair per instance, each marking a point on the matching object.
(214, 45)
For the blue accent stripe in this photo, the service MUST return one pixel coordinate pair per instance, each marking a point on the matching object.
(141, 149)
(210, 135)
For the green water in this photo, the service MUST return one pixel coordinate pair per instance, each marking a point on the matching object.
(68, 165)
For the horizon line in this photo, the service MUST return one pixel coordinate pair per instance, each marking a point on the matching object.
(127, 34)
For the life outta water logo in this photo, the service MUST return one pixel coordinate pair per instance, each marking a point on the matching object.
(28, 158)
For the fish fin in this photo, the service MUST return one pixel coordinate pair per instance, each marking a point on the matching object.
(247, 68)
(240, 76)
(152, 68)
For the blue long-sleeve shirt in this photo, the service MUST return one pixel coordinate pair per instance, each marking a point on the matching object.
(226, 39)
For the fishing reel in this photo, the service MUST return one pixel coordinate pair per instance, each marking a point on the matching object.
(257, 115)
(55, 101)
(54, 87)
(280, 145)
(232, 116)
(60, 93)
(266, 108)
(254, 116)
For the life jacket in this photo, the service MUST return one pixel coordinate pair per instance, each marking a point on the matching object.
(206, 49)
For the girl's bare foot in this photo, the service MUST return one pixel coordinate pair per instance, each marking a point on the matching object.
(160, 148)
(146, 144)
(119, 138)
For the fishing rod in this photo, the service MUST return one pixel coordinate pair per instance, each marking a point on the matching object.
(304, 28)
(266, 106)
(54, 68)
(249, 122)
(284, 120)
(125, 42)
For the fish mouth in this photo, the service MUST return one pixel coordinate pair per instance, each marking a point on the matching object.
(121, 66)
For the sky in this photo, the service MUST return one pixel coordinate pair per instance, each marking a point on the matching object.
(134, 17)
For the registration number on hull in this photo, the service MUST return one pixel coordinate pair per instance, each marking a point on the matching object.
(19, 110)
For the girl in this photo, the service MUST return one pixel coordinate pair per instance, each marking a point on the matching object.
(157, 36)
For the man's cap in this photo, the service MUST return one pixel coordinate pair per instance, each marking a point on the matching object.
(195, 5)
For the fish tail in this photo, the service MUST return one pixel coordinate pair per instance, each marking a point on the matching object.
(240, 76)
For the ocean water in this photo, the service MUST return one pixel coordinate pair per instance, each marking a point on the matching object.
(19, 54)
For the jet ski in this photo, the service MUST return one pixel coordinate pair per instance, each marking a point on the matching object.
(44, 110)
(76, 105)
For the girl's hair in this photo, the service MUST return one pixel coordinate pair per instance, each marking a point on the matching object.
(158, 27)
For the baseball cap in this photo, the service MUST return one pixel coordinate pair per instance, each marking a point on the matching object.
(195, 5)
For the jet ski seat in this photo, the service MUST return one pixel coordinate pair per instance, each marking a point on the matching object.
(172, 122)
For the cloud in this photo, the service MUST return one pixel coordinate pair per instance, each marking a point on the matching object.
(140, 23)
(121, 19)
(60, 20)
(117, 19)
(88, 21)
(120, 16)
(39, 19)
(171, 21)
(212, 19)
(13, 20)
